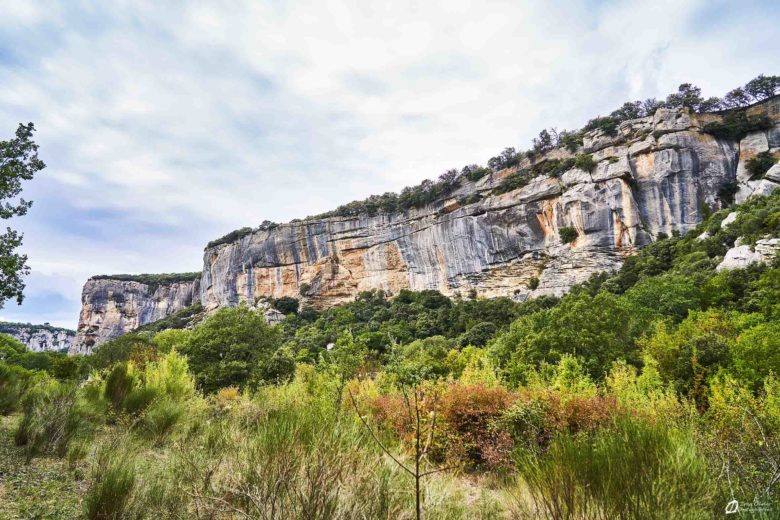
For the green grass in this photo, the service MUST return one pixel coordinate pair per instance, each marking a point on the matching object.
(45, 488)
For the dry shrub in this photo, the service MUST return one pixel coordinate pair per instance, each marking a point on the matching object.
(472, 426)
(538, 415)
(584, 414)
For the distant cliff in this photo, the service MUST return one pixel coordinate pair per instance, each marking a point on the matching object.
(115, 305)
(537, 227)
(40, 338)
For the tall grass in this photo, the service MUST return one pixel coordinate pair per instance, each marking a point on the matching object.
(113, 482)
(633, 470)
(50, 418)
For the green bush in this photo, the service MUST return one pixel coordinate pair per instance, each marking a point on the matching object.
(14, 383)
(737, 124)
(567, 234)
(584, 162)
(112, 485)
(513, 182)
(285, 305)
(152, 280)
(757, 166)
(161, 417)
(52, 417)
(633, 470)
(231, 348)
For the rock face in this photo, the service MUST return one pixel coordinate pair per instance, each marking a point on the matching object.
(659, 174)
(742, 255)
(112, 307)
(40, 338)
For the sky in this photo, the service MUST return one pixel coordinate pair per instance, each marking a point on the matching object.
(168, 124)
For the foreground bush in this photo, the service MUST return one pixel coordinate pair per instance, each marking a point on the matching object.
(112, 483)
(633, 470)
(53, 416)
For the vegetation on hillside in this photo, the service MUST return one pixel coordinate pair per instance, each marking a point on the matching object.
(649, 393)
(152, 280)
(736, 123)
(9, 327)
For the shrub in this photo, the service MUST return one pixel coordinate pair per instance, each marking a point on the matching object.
(757, 166)
(51, 419)
(478, 335)
(567, 234)
(119, 384)
(474, 173)
(231, 348)
(584, 162)
(756, 354)
(286, 304)
(14, 383)
(533, 283)
(112, 485)
(160, 418)
(619, 473)
(304, 289)
(472, 414)
(153, 281)
(599, 329)
(607, 125)
(737, 124)
(513, 182)
(230, 237)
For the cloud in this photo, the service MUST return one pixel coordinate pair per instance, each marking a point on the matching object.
(166, 125)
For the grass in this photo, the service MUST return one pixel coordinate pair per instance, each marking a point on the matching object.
(45, 488)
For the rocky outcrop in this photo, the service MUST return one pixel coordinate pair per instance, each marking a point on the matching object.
(658, 174)
(742, 255)
(40, 338)
(111, 307)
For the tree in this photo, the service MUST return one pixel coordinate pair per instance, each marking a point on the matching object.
(544, 142)
(232, 348)
(18, 161)
(689, 96)
(598, 329)
(736, 98)
(762, 87)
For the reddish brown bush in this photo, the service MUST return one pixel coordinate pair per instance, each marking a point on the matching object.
(471, 423)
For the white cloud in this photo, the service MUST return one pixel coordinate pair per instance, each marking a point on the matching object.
(166, 125)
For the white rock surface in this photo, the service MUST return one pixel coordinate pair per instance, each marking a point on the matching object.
(741, 256)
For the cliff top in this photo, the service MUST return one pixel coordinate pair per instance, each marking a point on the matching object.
(8, 327)
(151, 279)
(553, 152)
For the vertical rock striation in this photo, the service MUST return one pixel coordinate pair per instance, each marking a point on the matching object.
(656, 175)
(111, 307)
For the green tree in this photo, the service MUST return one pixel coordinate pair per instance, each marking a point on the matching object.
(756, 353)
(231, 348)
(597, 329)
(690, 354)
(18, 161)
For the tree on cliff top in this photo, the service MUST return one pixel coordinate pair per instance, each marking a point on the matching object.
(18, 161)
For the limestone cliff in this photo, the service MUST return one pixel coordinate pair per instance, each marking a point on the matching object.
(40, 338)
(658, 174)
(112, 306)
